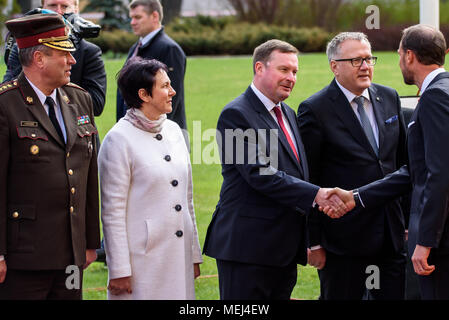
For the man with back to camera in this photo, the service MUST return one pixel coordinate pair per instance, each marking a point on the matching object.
(88, 72)
(146, 22)
(257, 232)
(353, 133)
(422, 53)
(49, 220)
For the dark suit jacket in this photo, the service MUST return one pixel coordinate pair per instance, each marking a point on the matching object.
(42, 178)
(88, 72)
(163, 48)
(339, 154)
(427, 144)
(259, 218)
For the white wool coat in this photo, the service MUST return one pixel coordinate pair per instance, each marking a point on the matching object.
(144, 211)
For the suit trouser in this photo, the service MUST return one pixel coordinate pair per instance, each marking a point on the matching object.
(242, 281)
(436, 285)
(354, 278)
(39, 285)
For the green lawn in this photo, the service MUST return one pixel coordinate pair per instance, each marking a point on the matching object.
(210, 83)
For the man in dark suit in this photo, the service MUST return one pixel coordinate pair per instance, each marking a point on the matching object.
(49, 222)
(422, 54)
(353, 134)
(146, 17)
(88, 72)
(257, 230)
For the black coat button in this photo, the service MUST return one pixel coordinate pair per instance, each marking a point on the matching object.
(174, 183)
(159, 136)
(167, 158)
(178, 207)
(179, 233)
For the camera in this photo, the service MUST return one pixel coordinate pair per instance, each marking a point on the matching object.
(81, 28)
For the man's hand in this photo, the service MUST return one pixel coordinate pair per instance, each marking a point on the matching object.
(335, 202)
(91, 256)
(316, 258)
(196, 270)
(346, 197)
(419, 260)
(2, 271)
(120, 285)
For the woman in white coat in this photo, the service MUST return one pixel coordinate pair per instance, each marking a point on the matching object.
(150, 233)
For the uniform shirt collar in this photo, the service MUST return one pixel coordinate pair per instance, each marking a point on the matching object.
(349, 95)
(42, 97)
(430, 78)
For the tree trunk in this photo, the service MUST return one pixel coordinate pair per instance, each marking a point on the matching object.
(172, 9)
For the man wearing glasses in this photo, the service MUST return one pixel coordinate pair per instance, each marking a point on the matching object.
(354, 133)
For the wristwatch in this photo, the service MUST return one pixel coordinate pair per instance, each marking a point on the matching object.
(355, 194)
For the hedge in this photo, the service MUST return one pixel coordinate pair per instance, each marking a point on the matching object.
(222, 39)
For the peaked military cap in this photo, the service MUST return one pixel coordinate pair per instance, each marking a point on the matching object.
(47, 29)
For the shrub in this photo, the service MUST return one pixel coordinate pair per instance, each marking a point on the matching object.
(208, 36)
(118, 41)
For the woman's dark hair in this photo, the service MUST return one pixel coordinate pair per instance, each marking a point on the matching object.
(138, 73)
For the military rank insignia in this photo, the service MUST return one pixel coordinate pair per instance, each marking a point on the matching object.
(83, 120)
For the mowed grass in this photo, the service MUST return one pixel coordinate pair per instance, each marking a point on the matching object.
(210, 83)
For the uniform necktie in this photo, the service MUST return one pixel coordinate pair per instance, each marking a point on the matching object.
(52, 115)
(366, 124)
(277, 111)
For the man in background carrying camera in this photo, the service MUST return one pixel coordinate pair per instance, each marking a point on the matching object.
(88, 72)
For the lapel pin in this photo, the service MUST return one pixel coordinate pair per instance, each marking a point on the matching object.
(29, 100)
(66, 99)
(377, 98)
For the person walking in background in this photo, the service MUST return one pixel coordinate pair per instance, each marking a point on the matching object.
(146, 22)
(150, 232)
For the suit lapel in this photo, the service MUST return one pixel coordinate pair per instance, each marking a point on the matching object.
(69, 116)
(379, 113)
(269, 121)
(37, 109)
(291, 117)
(439, 77)
(346, 114)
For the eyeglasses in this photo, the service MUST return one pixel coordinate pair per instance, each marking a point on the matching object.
(357, 62)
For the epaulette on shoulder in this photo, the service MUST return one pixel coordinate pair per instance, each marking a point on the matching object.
(6, 86)
(71, 84)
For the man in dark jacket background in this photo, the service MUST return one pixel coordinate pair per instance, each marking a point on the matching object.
(146, 18)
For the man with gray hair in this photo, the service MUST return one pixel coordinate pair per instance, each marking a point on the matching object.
(146, 22)
(353, 132)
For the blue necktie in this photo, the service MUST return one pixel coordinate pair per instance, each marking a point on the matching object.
(366, 124)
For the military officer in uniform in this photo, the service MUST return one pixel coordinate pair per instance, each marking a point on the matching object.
(49, 221)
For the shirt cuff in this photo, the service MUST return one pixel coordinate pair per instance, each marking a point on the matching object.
(2, 258)
(316, 247)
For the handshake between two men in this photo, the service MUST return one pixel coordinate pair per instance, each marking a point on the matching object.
(335, 202)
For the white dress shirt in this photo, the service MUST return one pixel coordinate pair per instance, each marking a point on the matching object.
(429, 78)
(366, 104)
(42, 97)
(148, 37)
(270, 106)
